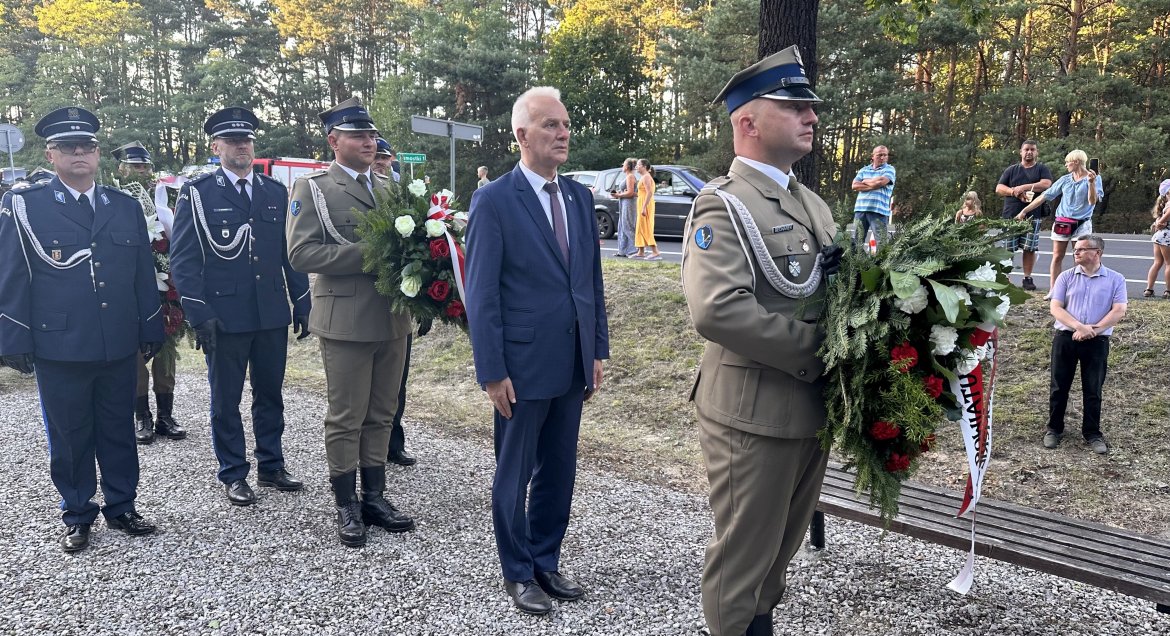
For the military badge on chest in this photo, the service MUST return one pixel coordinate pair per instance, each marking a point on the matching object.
(793, 267)
(55, 254)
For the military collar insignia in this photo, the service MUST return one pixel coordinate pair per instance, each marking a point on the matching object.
(220, 181)
(704, 236)
(105, 199)
(59, 196)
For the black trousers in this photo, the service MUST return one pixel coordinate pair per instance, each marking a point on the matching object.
(397, 435)
(1093, 357)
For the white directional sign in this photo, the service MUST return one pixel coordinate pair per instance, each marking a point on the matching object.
(446, 128)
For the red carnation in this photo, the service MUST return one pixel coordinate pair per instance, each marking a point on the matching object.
(454, 309)
(439, 249)
(934, 386)
(903, 357)
(172, 294)
(439, 290)
(927, 443)
(897, 463)
(882, 430)
(161, 245)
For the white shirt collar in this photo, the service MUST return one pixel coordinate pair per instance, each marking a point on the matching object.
(536, 180)
(89, 193)
(769, 171)
(235, 178)
(354, 173)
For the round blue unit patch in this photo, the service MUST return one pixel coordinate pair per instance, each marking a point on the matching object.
(295, 208)
(704, 236)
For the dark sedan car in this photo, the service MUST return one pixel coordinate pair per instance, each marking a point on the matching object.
(675, 188)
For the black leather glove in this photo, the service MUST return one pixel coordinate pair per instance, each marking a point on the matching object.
(205, 335)
(424, 327)
(301, 326)
(831, 258)
(22, 362)
(150, 350)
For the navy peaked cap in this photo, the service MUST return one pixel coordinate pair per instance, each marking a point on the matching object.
(133, 152)
(384, 147)
(348, 115)
(72, 123)
(235, 121)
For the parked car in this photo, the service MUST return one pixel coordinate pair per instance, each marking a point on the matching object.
(584, 177)
(675, 188)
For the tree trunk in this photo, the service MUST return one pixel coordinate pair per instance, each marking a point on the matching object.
(782, 24)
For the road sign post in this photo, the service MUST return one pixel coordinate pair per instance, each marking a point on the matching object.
(12, 140)
(445, 128)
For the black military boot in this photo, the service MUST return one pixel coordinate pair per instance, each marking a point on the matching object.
(761, 625)
(143, 421)
(350, 528)
(166, 425)
(376, 511)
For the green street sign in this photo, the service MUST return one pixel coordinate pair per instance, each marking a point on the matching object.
(411, 157)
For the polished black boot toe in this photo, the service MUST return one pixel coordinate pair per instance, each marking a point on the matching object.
(559, 587)
(75, 538)
(131, 523)
(143, 428)
(376, 511)
(401, 458)
(350, 529)
(528, 597)
(239, 493)
(280, 480)
(166, 426)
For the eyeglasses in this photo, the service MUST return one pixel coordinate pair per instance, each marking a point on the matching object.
(1086, 249)
(71, 147)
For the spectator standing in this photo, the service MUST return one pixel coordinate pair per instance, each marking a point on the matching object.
(971, 208)
(1161, 240)
(1079, 191)
(384, 161)
(874, 185)
(759, 394)
(626, 214)
(1018, 185)
(482, 173)
(1087, 301)
(644, 229)
(78, 313)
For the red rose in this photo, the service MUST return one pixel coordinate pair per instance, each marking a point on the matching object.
(882, 430)
(927, 443)
(454, 309)
(439, 249)
(897, 463)
(161, 245)
(934, 386)
(439, 290)
(903, 357)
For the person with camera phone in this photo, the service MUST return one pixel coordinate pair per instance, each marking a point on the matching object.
(1079, 191)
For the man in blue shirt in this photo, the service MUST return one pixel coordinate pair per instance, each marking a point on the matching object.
(1087, 301)
(874, 185)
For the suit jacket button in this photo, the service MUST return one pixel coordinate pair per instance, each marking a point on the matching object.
(570, 330)
(97, 264)
(255, 259)
(101, 283)
(55, 241)
(44, 326)
(251, 220)
(105, 305)
(216, 293)
(257, 277)
(93, 244)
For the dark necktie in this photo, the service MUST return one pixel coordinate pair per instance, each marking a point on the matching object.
(84, 202)
(558, 219)
(243, 183)
(363, 182)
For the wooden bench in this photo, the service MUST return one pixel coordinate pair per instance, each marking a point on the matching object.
(1109, 558)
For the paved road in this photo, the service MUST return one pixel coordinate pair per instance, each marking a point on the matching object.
(1130, 254)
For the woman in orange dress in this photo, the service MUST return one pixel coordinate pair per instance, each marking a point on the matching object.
(644, 230)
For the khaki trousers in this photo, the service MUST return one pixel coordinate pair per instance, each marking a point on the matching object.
(764, 491)
(163, 372)
(363, 381)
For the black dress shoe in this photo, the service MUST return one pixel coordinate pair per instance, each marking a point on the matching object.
(143, 428)
(559, 587)
(239, 493)
(131, 523)
(75, 537)
(280, 480)
(400, 457)
(528, 597)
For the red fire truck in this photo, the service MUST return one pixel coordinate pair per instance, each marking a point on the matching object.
(287, 169)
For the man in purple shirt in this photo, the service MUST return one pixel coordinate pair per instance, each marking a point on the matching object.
(1087, 301)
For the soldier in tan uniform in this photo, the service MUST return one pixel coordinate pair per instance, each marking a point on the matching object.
(757, 252)
(363, 344)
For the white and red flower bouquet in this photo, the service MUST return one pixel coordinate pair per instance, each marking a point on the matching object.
(909, 347)
(414, 246)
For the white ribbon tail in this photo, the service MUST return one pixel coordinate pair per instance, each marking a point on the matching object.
(456, 266)
(966, 576)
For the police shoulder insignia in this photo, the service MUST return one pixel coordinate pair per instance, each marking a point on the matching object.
(294, 208)
(59, 196)
(704, 236)
(105, 199)
(219, 180)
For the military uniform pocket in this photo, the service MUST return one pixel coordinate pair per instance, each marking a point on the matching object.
(733, 390)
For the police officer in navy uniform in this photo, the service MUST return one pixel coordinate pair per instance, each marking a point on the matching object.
(230, 264)
(384, 163)
(134, 163)
(78, 302)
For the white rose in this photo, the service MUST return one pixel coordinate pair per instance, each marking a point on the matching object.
(1004, 305)
(461, 216)
(445, 194)
(943, 338)
(967, 362)
(160, 281)
(404, 224)
(417, 187)
(961, 292)
(915, 303)
(985, 273)
(410, 286)
(1007, 262)
(434, 227)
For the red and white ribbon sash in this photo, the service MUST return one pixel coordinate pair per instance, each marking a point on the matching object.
(439, 212)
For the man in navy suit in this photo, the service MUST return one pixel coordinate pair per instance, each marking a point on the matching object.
(536, 311)
(230, 264)
(78, 302)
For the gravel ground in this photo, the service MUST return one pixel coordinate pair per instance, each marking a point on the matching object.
(276, 567)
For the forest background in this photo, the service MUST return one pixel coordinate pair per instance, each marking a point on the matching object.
(950, 86)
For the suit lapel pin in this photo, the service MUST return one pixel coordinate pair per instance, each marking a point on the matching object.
(59, 196)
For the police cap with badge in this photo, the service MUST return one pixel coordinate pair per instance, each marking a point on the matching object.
(348, 115)
(384, 148)
(72, 123)
(780, 76)
(133, 153)
(234, 121)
